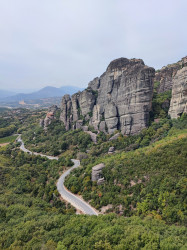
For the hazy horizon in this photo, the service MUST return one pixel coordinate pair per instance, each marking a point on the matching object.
(62, 43)
(27, 91)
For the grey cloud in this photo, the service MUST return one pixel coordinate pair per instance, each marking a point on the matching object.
(64, 42)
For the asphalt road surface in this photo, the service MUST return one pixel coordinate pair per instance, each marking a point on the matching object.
(65, 194)
(22, 147)
(71, 198)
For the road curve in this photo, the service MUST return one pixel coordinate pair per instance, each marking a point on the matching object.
(71, 198)
(22, 147)
(65, 194)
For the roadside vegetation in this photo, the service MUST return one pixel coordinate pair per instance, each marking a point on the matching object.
(143, 197)
(8, 139)
(148, 181)
(32, 214)
(56, 140)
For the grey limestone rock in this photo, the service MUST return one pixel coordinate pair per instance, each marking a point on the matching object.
(111, 150)
(79, 124)
(120, 99)
(114, 137)
(102, 126)
(66, 115)
(178, 104)
(49, 117)
(94, 84)
(86, 102)
(97, 172)
(125, 95)
(167, 73)
(101, 181)
(96, 117)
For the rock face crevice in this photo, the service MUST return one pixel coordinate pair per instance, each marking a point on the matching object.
(119, 99)
(178, 104)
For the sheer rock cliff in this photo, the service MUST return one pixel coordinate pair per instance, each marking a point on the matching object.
(178, 104)
(167, 74)
(120, 99)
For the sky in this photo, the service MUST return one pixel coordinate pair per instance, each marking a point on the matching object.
(70, 42)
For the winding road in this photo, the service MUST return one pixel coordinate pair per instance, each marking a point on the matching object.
(75, 201)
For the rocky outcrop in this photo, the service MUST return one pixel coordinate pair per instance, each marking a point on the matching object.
(178, 104)
(111, 150)
(97, 173)
(66, 115)
(114, 137)
(165, 76)
(92, 135)
(118, 100)
(49, 117)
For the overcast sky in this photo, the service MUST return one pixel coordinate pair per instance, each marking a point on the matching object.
(69, 42)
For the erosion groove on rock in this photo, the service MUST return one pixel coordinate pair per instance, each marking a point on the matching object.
(178, 104)
(120, 99)
(165, 76)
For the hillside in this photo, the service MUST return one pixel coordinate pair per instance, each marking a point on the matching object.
(32, 214)
(133, 172)
(148, 181)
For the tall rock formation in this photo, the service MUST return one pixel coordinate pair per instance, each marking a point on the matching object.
(167, 73)
(120, 99)
(178, 103)
(50, 116)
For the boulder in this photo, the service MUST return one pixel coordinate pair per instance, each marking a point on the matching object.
(114, 137)
(101, 181)
(111, 150)
(97, 172)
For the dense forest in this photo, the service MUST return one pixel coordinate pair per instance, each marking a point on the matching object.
(32, 215)
(148, 181)
(144, 194)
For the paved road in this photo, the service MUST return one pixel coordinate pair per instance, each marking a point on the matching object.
(22, 147)
(65, 194)
(71, 198)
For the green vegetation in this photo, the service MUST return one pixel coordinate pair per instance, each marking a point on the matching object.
(160, 103)
(148, 181)
(36, 228)
(8, 139)
(27, 179)
(56, 139)
(7, 131)
(32, 215)
(145, 185)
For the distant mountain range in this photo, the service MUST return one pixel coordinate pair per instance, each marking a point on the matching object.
(6, 93)
(47, 92)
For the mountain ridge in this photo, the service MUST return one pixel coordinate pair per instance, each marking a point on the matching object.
(46, 92)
